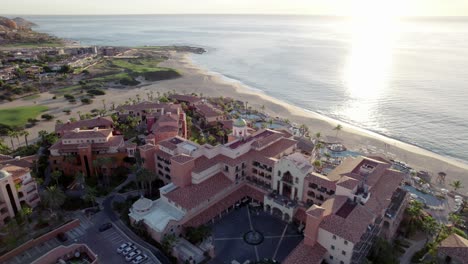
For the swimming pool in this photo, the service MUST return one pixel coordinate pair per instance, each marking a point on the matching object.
(428, 199)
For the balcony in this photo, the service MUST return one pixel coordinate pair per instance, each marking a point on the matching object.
(35, 198)
(282, 200)
(28, 181)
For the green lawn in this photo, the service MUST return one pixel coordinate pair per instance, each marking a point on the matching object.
(33, 45)
(139, 65)
(31, 97)
(18, 116)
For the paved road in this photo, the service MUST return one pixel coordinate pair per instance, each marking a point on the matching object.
(104, 244)
(415, 247)
(107, 204)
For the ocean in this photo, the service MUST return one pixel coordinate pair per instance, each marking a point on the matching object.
(405, 79)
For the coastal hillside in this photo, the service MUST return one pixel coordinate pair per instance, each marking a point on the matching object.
(18, 31)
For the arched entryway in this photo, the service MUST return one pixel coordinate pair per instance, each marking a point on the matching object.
(277, 212)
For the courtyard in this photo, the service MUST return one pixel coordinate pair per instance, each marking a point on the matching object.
(251, 234)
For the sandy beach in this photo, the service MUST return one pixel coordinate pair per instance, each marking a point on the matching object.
(198, 80)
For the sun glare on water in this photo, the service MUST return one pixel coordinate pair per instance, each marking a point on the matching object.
(373, 28)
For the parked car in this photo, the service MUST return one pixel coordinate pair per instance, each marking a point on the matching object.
(62, 237)
(104, 227)
(127, 250)
(139, 259)
(132, 254)
(124, 246)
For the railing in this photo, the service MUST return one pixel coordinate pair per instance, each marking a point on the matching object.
(282, 200)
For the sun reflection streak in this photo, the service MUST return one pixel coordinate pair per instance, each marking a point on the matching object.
(367, 69)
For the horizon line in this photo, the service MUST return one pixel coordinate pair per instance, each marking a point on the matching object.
(224, 14)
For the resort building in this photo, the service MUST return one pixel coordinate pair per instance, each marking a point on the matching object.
(17, 189)
(99, 122)
(209, 114)
(76, 150)
(341, 212)
(189, 100)
(74, 253)
(453, 250)
(160, 120)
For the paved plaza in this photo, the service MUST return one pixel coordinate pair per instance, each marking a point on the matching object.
(229, 235)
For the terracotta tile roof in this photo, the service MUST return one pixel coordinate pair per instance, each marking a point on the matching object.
(227, 124)
(193, 195)
(221, 206)
(101, 122)
(305, 254)
(185, 98)
(168, 118)
(142, 106)
(5, 157)
(15, 171)
(305, 144)
(87, 134)
(456, 247)
(347, 182)
(208, 111)
(168, 144)
(382, 192)
(163, 129)
(115, 141)
(162, 154)
(321, 180)
(279, 147)
(26, 162)
(285, 133)
(182, 159)
(265, 141)
(147, 147)
(349, 222)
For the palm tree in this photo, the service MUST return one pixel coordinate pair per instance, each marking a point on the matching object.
(456, 185)
(455, 219)
(4, 149)
(317, 136)
(53, 197)
(90, 195)
(338, 129)
(12, 135)
(430, 227)
(80, 179)
(55, 175)
(25, 134)
(414, 211)
(26, 213)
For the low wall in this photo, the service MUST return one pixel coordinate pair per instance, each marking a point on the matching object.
(36, 241)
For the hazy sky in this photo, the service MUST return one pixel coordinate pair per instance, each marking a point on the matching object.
(320, 7)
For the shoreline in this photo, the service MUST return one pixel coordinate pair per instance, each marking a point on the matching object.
(197, 79)
(244, 88)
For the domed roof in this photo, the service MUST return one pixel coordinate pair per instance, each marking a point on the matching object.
(142, 204)
(4, 174)
(239, 122)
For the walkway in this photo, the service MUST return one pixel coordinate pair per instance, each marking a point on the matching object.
(415, 247)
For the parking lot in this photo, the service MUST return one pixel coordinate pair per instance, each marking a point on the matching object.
(104, 244)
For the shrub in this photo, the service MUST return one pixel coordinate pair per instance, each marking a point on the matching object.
(96, 92)
(47, 117)
(129, 81)
(69, 96)
(86, 101)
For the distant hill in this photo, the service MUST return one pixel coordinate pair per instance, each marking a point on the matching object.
(23, 23)
(18, 31)
(7, 24)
